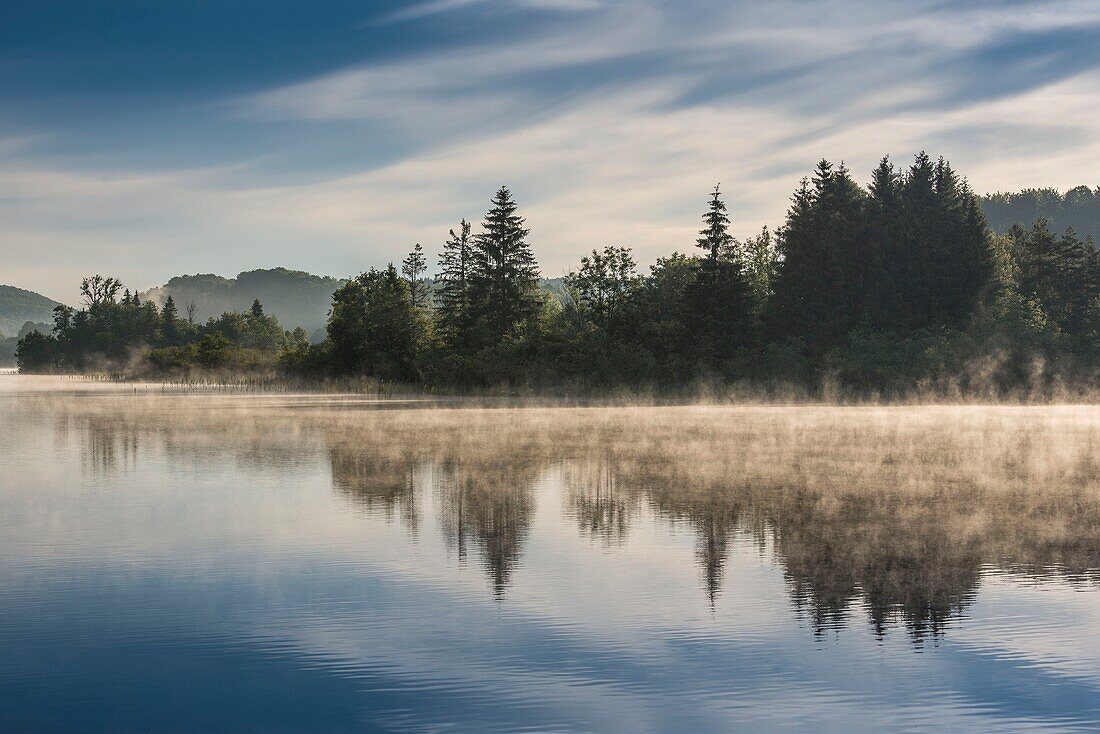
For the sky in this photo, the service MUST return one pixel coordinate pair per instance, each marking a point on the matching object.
(149, 138)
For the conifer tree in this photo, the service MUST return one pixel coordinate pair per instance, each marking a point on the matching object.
(1058, 273)
(504, 276)
(821, 285)
(257, 309)
(715, 239)
(890, 259)
(413, 268)
(718, 301)
(453, 300)
(169, 322)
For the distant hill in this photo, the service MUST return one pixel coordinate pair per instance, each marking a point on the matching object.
(1078, 208)
(18, 306)
(296, 298)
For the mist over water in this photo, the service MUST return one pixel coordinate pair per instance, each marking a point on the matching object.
(174, 561)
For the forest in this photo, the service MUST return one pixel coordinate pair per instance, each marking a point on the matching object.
(898, 286)
(1077, 209)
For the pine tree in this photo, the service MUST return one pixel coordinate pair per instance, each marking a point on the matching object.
(714, 238)
(257, 309)
(1057, 273)
(169, 322)
(453, 299)
(821, 285)
(886, 309)
(1078, 289)
(504, 276)
(718, 301)
(413, 268)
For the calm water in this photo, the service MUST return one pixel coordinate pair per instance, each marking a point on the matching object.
(249, 563)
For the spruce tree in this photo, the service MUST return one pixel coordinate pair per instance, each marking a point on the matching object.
(453, 299)
(504, 275)
(413, 268)
(169, 322)
(718, 300)
(714, 237)
(886, 307)
(1057, 274)
(821, 284)
(1078, 287)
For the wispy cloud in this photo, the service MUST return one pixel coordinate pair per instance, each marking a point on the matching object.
(611, 120)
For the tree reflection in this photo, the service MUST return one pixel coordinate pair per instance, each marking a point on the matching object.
(493, 509)
(602, 509)
(893, 516)
(898, 523)
(376, 482)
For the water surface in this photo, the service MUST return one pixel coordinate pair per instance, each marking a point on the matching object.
(185, 562)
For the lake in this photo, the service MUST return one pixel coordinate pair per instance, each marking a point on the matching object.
(187, 561)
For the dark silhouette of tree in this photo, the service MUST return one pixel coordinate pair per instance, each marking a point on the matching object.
(605, 286)
(97, 290)
(1059, 274)
(1077, 209)
(760, 260)
(504, 276)
(453, 308)
(36, 352)
(413, 268)
(169, 322)
(719, 298)
(715, 239)
(374, 329)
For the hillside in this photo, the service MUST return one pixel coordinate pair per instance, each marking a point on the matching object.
(18, 306)
(1078, 208)
(296, 298)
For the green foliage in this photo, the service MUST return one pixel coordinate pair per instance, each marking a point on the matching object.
(891, 288)
(718, 300)
(18, 306)
(504, 276)
(114, 334)
(250, 330)
(1077, 209)
(294, 297)
(36, 352)
(454, 314)
(413, 268)
(760, 262)
(605, 288)
(374, 329)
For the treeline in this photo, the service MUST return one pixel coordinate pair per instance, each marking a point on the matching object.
(1077, 209)
(125, 333)
(897, 285)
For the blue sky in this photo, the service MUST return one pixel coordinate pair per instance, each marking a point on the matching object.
(150, 138)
